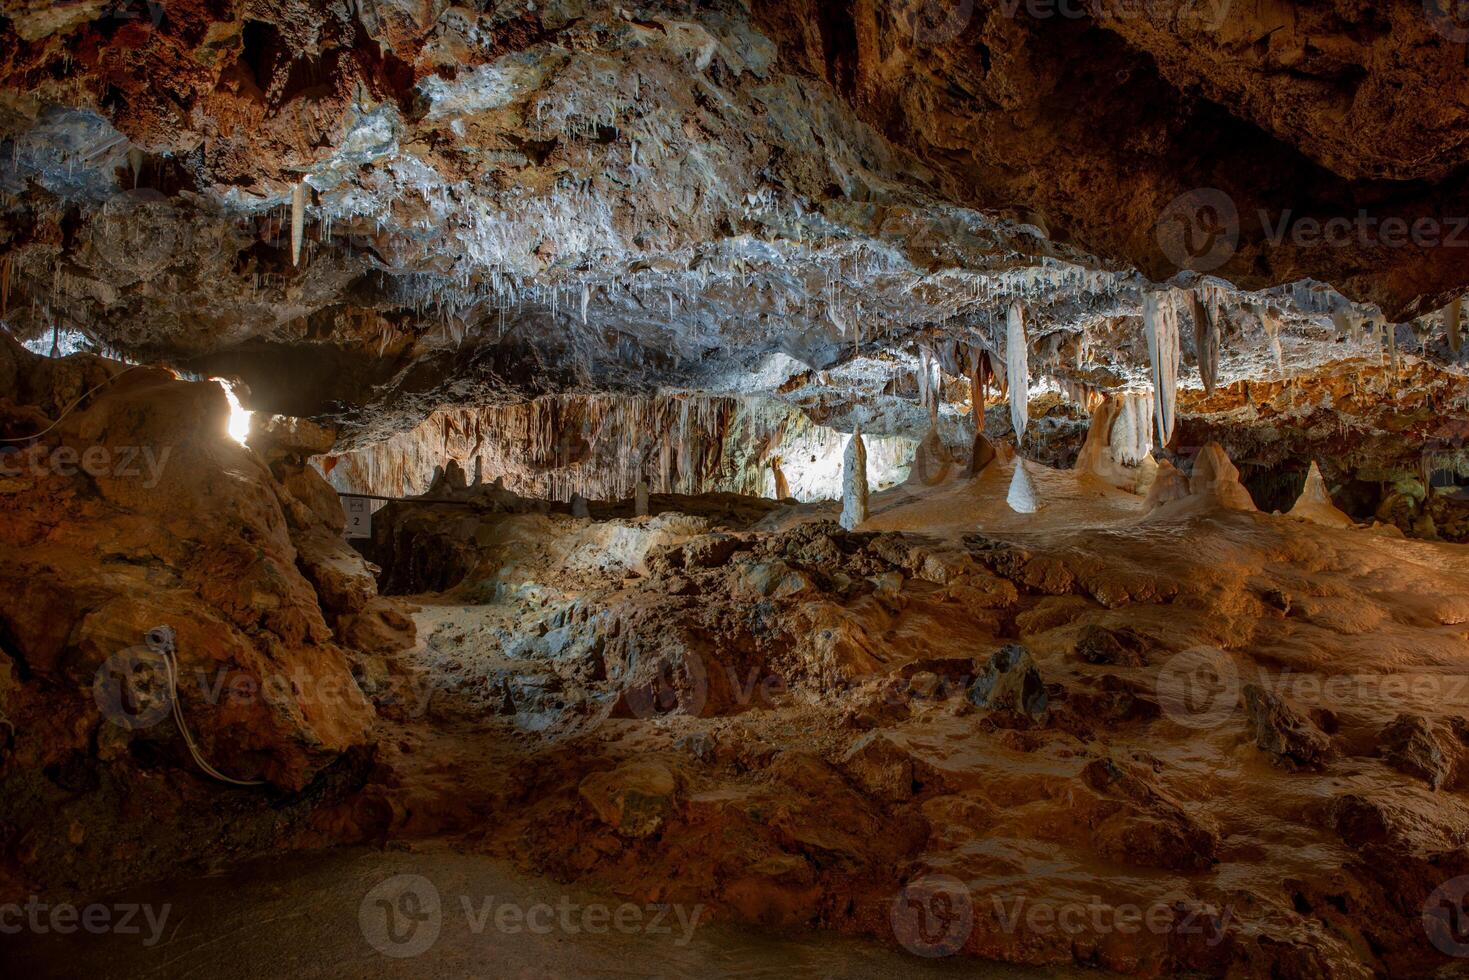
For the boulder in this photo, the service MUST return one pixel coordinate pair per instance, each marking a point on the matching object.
(1280, 729)
(1010, 681)
(636, 799)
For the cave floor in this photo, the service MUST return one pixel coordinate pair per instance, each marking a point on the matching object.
(1254, 725)
(320, 915)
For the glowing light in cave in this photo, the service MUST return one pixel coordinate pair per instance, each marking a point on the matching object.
(239, 424)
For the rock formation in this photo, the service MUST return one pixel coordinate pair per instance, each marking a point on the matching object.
(854, 482)
(1022, 496)
(1017, 371)
(1314, 503)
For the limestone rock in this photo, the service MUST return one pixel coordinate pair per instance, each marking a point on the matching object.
(1410, 745)
(1010, 681)
(1278, 728)
(635, 799)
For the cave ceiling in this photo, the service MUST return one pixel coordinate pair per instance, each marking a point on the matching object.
(514, 199)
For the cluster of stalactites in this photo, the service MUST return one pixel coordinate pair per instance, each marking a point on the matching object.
(1132, 432)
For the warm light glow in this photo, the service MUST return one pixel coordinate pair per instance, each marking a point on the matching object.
(239, 425)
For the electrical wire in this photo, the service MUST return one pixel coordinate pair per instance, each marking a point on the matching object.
(73, 405)
(160, 639)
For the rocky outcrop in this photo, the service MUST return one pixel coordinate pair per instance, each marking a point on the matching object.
(135, 510)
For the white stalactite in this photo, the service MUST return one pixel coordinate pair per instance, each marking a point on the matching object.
(854, 482)
(298, 220)
(1022, 496)
(1017, 371)
(1160, 322)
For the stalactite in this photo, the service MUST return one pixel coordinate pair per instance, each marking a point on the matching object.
(1206, 342)
(1017, 371)
(298, 220)
(854, 482)
(1160, 322)
(1452, 317)
(5, 266)
(135, 163)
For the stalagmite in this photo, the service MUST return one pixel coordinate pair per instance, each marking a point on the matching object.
(298, 220)
(1452, 317)
(932, 462)
(640, 499)
(579, 507)
(1160, 322)
(782, 488)
(1314, 504)
(982, 455)
(1217, 478)
(854, 482)
(1017, 371)
(1169, 484)
(1022, 495)
(1206, 342)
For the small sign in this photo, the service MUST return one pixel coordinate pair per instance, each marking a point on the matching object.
(359, 516)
